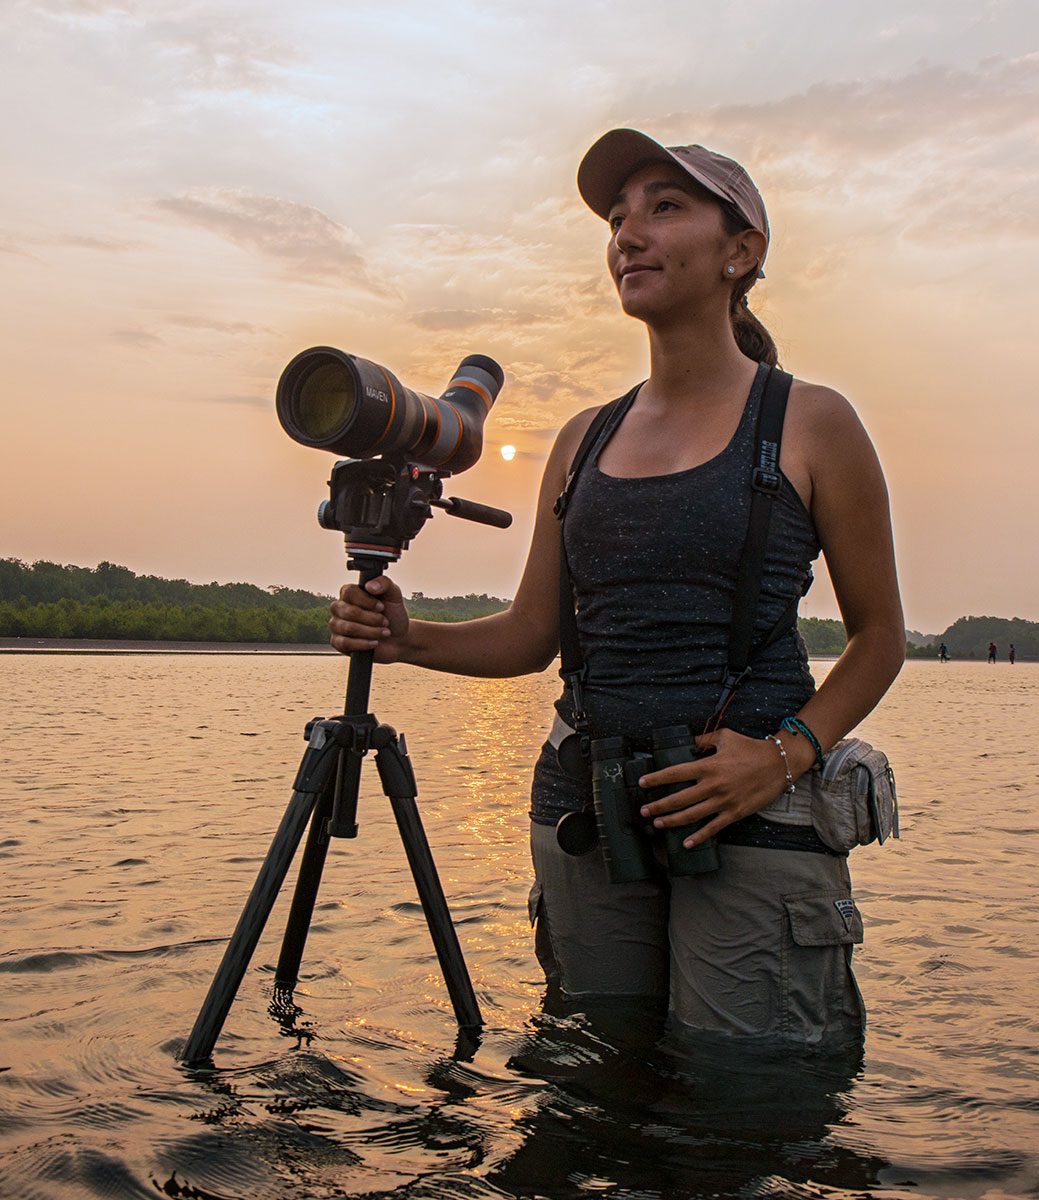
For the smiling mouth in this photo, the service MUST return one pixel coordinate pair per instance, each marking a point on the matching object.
(628, 271)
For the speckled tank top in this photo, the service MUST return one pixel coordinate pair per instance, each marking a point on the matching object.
(654, 562)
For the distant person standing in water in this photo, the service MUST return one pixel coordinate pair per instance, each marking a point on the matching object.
(992, 652)
(1013, 654)
(653, 536)
(943, 653)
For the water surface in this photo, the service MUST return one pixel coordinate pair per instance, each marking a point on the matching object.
(139, 795)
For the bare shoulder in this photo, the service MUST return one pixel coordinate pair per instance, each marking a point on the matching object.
(815, 406)
(824, 424)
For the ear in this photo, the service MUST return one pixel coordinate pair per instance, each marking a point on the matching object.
(746, 251)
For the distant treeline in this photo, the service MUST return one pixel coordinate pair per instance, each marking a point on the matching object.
(43, 582)
(969, 637)
(50, 600)
(822, 636)
(453, 608)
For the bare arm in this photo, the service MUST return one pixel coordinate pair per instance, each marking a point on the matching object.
(852, 517)
(522, 639)
(849, 505)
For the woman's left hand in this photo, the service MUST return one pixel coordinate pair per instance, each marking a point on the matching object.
(739, 778)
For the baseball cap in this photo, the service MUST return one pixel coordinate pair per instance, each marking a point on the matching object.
(618, 153)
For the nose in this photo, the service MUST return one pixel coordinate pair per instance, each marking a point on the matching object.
(631, 235)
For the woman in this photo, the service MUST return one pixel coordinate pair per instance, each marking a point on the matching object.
(653, 535)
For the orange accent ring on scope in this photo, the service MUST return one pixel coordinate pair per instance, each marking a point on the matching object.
(436, 435)
(482, 392)
(425, 423)
(461, 431)
(393, 409)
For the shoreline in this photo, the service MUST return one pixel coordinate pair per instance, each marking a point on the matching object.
(119, 646)
(13, 645)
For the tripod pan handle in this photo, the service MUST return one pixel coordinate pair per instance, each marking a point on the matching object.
(469, 510)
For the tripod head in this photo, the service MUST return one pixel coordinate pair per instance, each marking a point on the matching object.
(381, 504)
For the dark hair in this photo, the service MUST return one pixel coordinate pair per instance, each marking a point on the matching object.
(753, 339)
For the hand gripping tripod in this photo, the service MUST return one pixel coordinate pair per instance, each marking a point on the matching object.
(380, 505)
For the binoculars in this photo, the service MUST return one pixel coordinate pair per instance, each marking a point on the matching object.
(628, 841)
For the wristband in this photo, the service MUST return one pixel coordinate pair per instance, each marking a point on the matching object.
(771, 737)
(795, 726)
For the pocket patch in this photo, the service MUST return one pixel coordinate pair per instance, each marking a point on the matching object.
(823, 919)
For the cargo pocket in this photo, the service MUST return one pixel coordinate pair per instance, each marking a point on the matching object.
(820, 995)
(542, 942)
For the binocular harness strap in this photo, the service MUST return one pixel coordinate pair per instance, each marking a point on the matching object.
(571, 660)
(765, 483)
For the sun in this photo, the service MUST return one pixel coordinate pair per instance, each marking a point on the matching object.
(508, 453)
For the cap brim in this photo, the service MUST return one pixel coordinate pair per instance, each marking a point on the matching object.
(614, 157)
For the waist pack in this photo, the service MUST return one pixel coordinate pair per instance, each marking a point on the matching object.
(853, 800)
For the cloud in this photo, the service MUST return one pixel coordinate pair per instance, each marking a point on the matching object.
(537, 395)
(233, 58)
(308, 245)
(877, 118)
(244, 400)
(940, 151)
(450, 245)
(213, 325)
(79, 241)
(137, 339)
(210, 49)
(9, 247)
(467, 318)
(77, 10)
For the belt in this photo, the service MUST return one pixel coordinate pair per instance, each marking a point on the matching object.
(756, 831)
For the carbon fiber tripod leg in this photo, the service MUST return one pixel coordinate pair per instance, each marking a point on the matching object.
(398, 782)
(247, 932)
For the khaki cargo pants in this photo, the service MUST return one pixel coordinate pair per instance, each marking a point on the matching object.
(760, 947)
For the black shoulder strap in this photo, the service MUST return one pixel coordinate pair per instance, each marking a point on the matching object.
(765, 482)
(609, 415)
(605, 421)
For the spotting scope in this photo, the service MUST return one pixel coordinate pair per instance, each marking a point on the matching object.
(347, 405)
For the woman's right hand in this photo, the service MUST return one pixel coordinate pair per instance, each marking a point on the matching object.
(372, 617)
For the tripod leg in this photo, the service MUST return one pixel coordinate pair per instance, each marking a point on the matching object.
(305, 896)
(250, 925)
(398, 783)
(336, 816)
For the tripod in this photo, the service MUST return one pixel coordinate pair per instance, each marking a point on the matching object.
(326, 787)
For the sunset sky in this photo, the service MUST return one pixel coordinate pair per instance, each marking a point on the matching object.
(193, 192)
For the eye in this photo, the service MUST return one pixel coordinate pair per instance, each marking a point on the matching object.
(614, 222)
(665, 204)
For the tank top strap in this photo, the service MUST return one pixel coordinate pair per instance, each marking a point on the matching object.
(742, 444)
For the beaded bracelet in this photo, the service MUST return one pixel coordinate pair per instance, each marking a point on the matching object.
(771, 737)
(795, 726)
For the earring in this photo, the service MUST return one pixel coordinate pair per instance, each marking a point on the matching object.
(730, 270)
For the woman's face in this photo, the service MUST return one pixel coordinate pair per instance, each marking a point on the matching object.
(668, 246)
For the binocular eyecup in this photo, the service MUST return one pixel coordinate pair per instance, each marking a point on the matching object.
(629, 842)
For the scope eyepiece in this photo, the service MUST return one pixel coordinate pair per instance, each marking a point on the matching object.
(347, 405)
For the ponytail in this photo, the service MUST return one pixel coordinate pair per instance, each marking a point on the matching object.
(753, 339)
